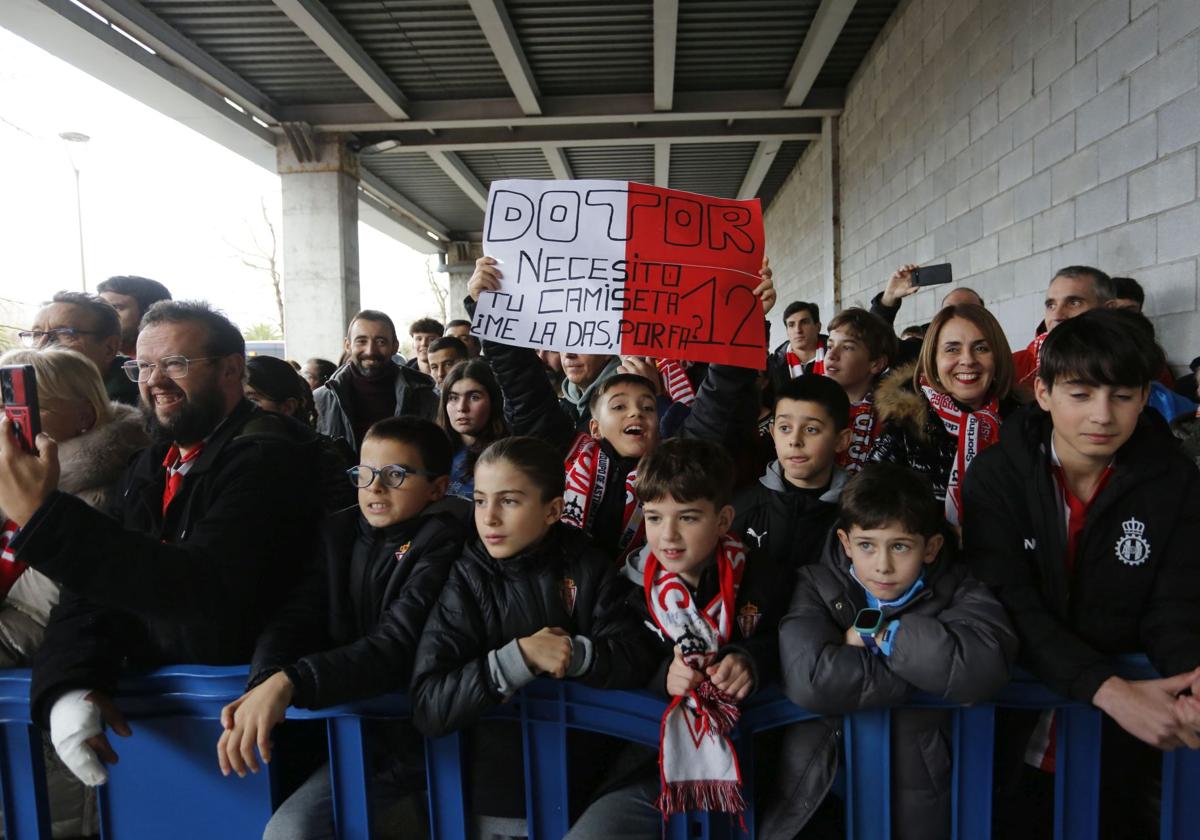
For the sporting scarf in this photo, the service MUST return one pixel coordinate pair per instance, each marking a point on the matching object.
(10, 569)
(863, 431)
(675, 382)
(697, 763)
(796, 367)
(974, 430)
(587, 467)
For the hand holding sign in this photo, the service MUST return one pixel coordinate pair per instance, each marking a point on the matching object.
(607, 267)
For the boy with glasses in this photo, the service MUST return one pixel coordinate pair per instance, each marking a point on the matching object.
(351, 631)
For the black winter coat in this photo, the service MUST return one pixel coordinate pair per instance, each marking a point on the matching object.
(335, 405)
(351, 630)
(782, 526)
(1136, 581)
(913, 434)
(564, 582)
(196, 586)
(954, 641)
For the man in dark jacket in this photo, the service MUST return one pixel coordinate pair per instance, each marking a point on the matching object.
(1084, 521)
(214, 517)
(371, 386)
(886, 613)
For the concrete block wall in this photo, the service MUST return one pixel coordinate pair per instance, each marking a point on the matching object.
(1014, 138)
(794, 240)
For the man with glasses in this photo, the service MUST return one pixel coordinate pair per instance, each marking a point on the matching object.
(215, 518)
(88, 324)
(371, 386)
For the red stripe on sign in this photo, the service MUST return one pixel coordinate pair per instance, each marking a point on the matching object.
(692, 266)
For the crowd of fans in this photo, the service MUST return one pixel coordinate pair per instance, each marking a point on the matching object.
(867, 517)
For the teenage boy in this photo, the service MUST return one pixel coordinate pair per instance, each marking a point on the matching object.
(786, 515)
(858, 352)
(707, 609)
(444, 353)
(351, 631)
(423, 332)
(885, 613)
(804, 350)
(1083, 519)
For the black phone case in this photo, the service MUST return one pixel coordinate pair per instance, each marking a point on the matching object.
(933, 275)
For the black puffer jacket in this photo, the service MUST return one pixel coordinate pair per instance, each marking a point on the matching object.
(782, 525)
(913, 434)
(563, 582)
(351, 630)
(954, 641)
(196, 586)
(1136, 585)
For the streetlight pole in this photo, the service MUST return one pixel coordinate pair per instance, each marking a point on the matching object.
(70, 138)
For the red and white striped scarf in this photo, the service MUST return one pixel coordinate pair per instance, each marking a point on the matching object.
(675, 381)
(796, 367)
(587, 466)
(974, 430)
(697, 763)
(863, 431)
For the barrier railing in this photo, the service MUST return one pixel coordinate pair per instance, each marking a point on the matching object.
(167, 785)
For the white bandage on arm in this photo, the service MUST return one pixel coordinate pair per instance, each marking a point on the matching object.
(72, 721)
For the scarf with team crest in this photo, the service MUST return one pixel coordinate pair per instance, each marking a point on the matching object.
(587, 467)
(974, 430)
(698, 765)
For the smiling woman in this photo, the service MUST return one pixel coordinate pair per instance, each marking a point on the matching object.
(947, 408)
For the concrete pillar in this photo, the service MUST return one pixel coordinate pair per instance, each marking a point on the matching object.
(460, 264)
(320, 244)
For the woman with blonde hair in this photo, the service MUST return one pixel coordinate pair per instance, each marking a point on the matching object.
(940, 413)
(95, 440)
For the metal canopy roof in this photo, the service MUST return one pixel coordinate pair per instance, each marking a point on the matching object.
(444, 96)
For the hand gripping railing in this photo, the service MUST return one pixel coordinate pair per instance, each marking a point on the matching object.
(167, 784)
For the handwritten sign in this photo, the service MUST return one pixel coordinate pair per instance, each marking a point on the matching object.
(618, 267)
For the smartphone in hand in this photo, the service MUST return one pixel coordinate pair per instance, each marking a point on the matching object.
(932, 275)
(18, 393)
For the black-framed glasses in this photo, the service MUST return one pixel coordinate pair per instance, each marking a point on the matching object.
(392, 475)
(173, 367)
(34, 338)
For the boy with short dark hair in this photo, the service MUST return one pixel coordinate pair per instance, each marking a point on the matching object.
(804, 350)
(443, 354)
(710, 611)
(859, 350)
(886, 612)
(1083, 519)
(785, 516)
(350, 631)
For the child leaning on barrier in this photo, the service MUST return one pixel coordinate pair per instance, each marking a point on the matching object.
(349, 631)
(530, 597)
(713, 615)
(1085, 520)
(887, 613)
(625, 423)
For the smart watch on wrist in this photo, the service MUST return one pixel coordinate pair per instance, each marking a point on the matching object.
(867, 623)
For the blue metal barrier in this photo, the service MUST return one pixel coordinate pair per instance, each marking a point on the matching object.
(167, 783)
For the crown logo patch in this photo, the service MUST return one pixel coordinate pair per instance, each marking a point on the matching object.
(1133, 549)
